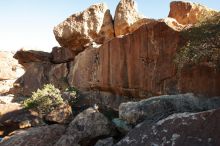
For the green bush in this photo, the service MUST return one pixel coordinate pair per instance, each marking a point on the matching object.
(203, 43)
(44, 100)
(73, 94)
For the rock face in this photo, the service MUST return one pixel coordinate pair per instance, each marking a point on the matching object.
(124, 65)
(162, 106)
(126, 15)
(141, 64)
(40, 136)
(184, 129)
(92, 25)
(188, 12)
(86, 126)
(62, 55)
(40, 73)
(31, 56)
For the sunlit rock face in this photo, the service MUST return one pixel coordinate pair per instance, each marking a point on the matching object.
(9, 67)
(10, 70)
(95, 24)
(138, 64)
(29, 56)
(188, 12)
(126, 15)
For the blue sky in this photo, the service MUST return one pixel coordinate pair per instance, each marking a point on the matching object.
(29, 23)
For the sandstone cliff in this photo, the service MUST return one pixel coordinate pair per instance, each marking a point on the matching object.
(112, 65)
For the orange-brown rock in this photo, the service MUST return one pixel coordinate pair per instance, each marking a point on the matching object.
(171, 22)
(62, 55)
(61, 114)
(40, 73)
(94, 24)
(16, 117)
(188, 13)
(29, 56)
(141, 64)
(127, 16)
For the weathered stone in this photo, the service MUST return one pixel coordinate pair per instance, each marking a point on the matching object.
(5, 86)
(188, 13)
(9, 67)
(141, 64)
(122, 126)
(105, 142)
(162, 106)
(29, 56)
(10, 70)
(6, 99)
(14, 117)
(102, 99)
(183, 129)
(82, 68)
(139, 23)
(61, 114)
(124, 65)
(9, 107)
(126, 15)
(62, 55)
(40, 73)
(171, 22)
(92, 25)
(39, 136)
(86, 126)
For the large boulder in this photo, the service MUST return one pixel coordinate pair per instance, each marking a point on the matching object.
(183, 129)
(39, 136)
(142, 64)
(40, 73)
(95, 24)
(87, 126)
(162, 106)
(189, 13)
(61, 114)
(126, 15)
(29, 56)
(13, 117)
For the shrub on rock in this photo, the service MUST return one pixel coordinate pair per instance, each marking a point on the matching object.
(45, 100)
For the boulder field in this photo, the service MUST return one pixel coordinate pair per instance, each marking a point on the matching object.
(139, 81)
